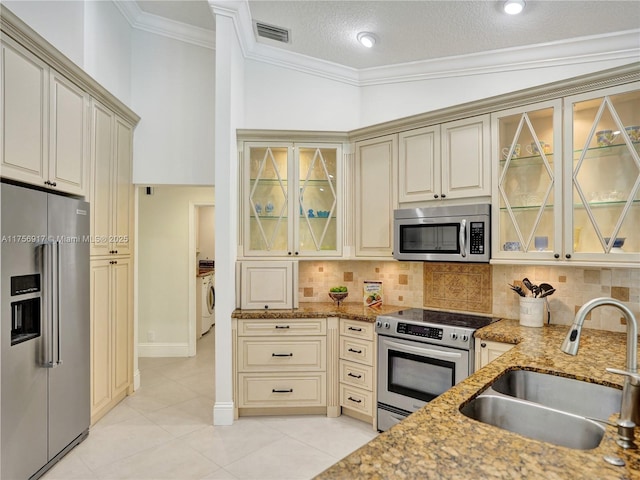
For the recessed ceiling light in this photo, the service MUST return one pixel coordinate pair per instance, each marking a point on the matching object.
(513, 7)
(367, 39)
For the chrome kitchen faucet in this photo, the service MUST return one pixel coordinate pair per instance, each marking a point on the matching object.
(630, 408)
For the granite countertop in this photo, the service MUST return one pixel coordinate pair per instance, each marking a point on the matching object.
(438, 442)
(351, 311)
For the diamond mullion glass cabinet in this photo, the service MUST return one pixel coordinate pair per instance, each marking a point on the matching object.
(602, 174)
(292, 199)
(527, 207)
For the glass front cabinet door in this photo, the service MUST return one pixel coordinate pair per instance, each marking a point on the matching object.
(527, 209)
(602, 172)
(292, 199)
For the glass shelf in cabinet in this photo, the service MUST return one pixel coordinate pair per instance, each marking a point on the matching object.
(528, 160)
(525, 208)
(268, 181)
(604, 204)
(605, 151)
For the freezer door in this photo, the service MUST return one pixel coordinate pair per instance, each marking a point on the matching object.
(69, 389)
(24, 380)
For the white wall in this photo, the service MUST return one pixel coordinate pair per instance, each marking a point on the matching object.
(279, 98)
(381, 103)
(206, 233)
(61, 23)
(164, 267)
(107, 53)
(173, 92)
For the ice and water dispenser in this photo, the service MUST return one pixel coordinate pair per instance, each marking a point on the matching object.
(25, 308)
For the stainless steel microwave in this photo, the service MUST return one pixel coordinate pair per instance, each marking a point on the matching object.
(456, 233)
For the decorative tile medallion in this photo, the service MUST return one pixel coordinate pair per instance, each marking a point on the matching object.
(458, 286)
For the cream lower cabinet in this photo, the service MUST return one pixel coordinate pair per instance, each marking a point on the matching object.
(357, 370)
(111, 334)
(281, 366)
(487, 351)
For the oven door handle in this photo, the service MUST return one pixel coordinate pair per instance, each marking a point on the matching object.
(422, 351)
(463, 238)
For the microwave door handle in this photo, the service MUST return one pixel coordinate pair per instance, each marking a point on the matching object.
(422, 351)
(463, 237)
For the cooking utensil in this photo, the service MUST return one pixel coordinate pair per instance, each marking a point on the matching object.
(533, 288)
(518, 290)
(546, 293)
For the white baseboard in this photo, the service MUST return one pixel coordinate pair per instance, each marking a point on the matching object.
(136, 380)
(223, 413)
(163, 350)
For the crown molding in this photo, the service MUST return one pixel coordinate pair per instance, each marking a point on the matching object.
(147, 22)
(624, 45)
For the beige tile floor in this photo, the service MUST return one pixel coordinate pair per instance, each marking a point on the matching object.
(165, 431)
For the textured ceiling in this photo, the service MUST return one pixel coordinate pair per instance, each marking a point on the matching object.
(416, 30)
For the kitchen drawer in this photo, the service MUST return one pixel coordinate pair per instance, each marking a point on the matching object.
(357, 350)
(281, 328)
(356, 374)
(356, 329)
(271, 390)
(356, 399)
(281, 354)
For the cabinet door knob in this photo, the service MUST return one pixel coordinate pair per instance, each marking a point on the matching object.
(444, 196)
(556, 255)
(435, 195)
(288, 253)
(296, 253)
(567, 256)
(483, 345)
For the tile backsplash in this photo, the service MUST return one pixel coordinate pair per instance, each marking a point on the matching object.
(403, 285)
(401, 281)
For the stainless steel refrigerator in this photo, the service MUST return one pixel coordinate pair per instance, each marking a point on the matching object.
(44, 335)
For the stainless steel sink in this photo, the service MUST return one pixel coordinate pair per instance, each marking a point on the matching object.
(535, 421)
(567, 394)
(547, 407)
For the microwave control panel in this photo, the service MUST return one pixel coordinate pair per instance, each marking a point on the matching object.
(477, 238)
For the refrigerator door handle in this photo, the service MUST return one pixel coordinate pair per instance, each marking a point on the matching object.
(56, 309)
(47, 310)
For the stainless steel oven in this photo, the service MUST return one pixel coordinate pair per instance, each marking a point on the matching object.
(421, 354)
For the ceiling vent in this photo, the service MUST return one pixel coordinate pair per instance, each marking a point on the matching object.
(272, 32)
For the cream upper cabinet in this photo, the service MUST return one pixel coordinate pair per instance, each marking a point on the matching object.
(466, 158)
(567, 186)
(419, 165)
(602, 175)
(446, 161)
(527, 206)
(45, 124)
(111, 188)
(292, 199)
(375, 195)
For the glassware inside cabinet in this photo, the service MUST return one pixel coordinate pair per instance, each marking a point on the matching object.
(268, 200)
(606, 174)
(526, 181)
(317, 198)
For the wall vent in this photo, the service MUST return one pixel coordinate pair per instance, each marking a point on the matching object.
(272, 32)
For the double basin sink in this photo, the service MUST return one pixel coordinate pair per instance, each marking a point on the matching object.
(558, 410)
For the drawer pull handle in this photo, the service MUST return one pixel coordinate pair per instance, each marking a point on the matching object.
(282, 354)
(355, 351)
(278, 390)
(354, 376)
(355, 329)
(282, 326)
(355, 400)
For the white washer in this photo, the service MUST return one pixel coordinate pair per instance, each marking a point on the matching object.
(208, 303)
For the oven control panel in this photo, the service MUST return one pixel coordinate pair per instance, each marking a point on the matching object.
(420, 330)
